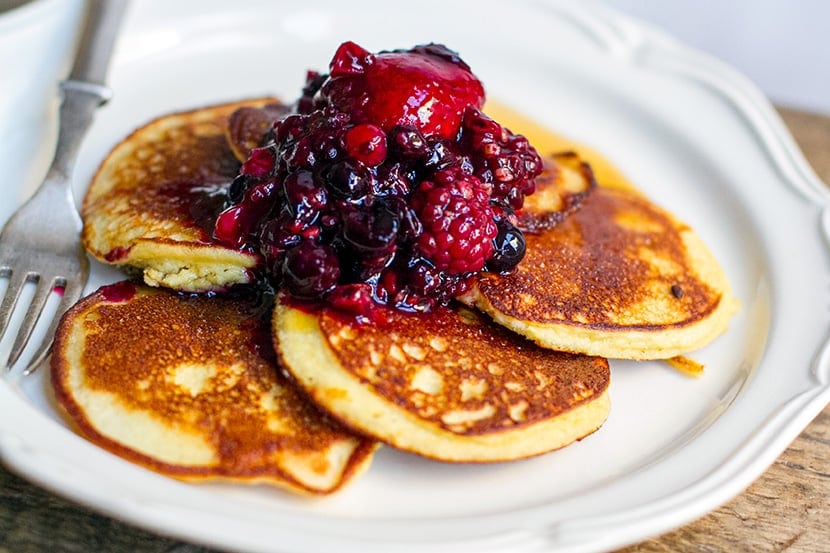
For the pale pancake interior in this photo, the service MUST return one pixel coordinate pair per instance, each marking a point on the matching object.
(155, 194)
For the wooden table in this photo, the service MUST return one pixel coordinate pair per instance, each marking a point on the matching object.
(787, 509)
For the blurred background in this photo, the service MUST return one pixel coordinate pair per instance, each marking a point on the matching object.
(782, 45)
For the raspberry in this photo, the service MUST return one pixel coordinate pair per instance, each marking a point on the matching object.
(458, 224)
(365, 143)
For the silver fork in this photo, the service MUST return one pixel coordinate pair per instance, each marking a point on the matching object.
(40, 243)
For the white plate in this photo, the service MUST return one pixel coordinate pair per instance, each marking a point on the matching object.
(690, 132)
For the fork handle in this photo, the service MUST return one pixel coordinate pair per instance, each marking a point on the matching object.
(84, 90)
(103, 18)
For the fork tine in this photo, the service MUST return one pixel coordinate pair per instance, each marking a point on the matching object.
(10, 299)
(71, 294)
(42, 293)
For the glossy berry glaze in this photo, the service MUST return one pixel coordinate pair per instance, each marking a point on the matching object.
(118, 292)
(387, 185)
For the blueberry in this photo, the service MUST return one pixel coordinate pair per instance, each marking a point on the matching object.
(509, 247)
(310, 270)
(350, 180)
(371, 230)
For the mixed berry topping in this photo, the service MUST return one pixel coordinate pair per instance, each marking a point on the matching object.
(386, 184)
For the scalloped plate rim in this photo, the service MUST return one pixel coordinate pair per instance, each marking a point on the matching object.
(621, 36)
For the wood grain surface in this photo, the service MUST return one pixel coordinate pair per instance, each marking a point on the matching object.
(787, 509)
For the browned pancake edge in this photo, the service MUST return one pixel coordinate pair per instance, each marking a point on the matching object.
(618, 277)
(449, 385)
(152, 201)
(198, 377)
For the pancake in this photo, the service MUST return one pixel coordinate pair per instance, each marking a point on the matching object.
(152, 202)
(189, 387)
(248, 126)
(619, 277)
(448, 385)
(562, 186)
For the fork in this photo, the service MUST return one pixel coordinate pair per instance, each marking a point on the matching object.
(40, 243)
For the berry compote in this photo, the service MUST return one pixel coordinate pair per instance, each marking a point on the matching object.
(386, 184)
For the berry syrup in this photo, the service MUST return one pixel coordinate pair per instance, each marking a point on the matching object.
(386, 185)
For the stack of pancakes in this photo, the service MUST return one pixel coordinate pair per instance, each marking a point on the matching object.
(223, 386)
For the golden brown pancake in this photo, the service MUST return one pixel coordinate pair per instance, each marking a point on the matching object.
(448, 385)
(564, 183)
(618, 277)
(249, 125)
(189, 387)
(153, 200)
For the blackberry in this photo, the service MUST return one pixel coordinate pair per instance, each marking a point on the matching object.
(458, 226)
